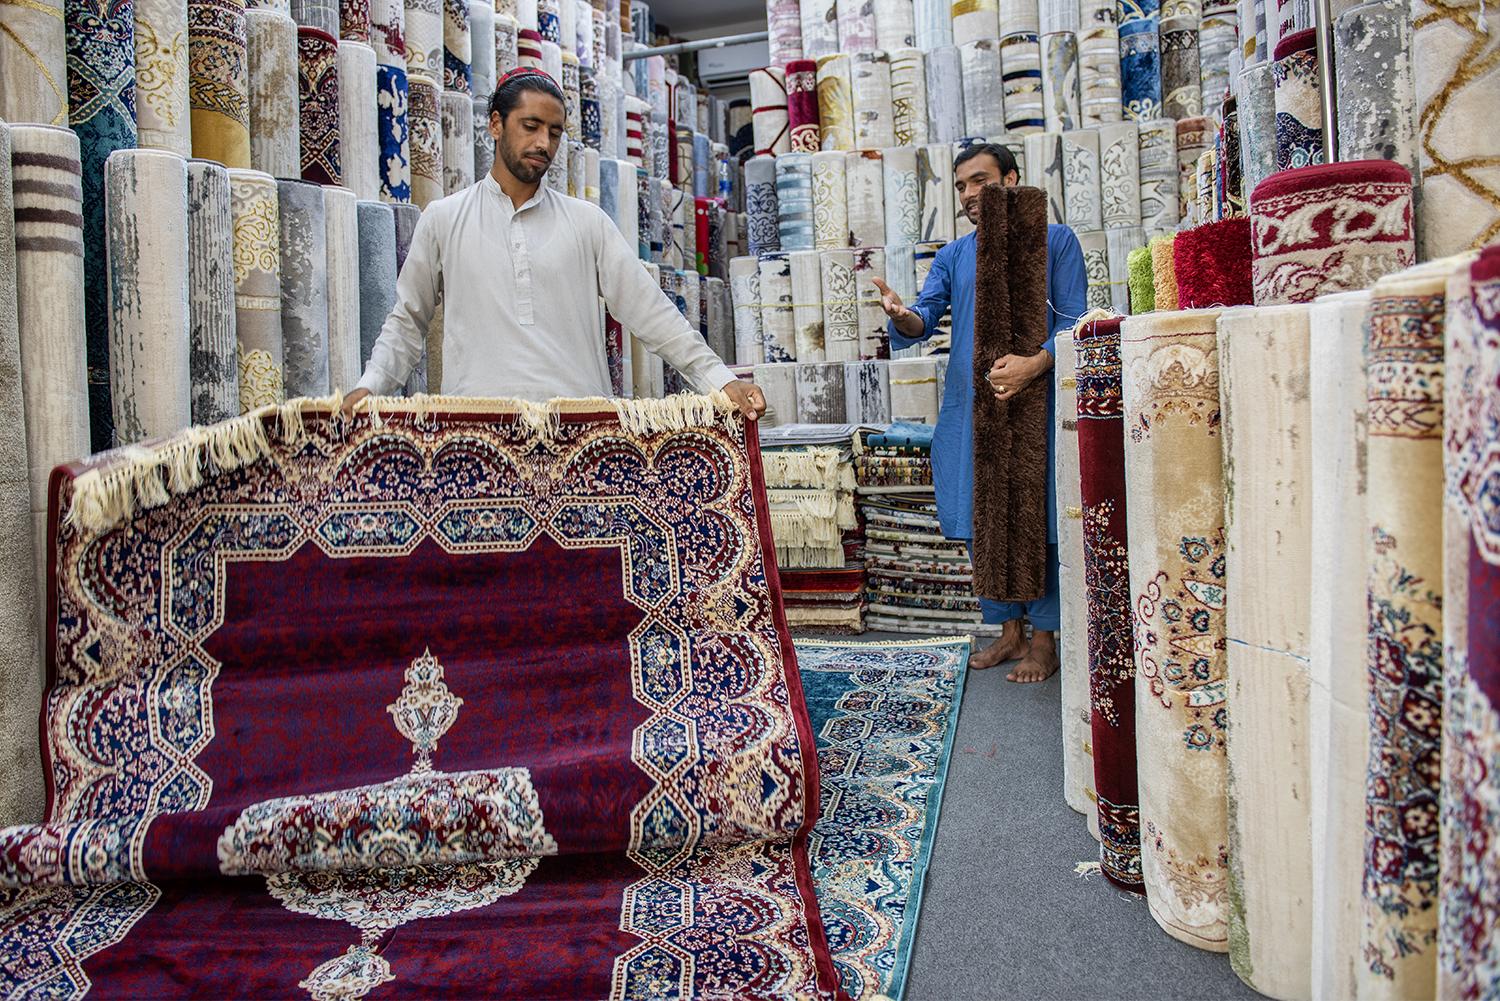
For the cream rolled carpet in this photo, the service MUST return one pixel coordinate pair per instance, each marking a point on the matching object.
(359, 142)
(807, 304)
(161, 76)
(341, 220)
(840, 305)
(33, 62)
(257, 287)
(275, 140)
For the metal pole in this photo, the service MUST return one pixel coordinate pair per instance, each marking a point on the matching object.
(704, 43)
(1323, 24)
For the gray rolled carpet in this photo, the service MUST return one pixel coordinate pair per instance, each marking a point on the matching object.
(377, 273)
(214, 370)
(304, 288)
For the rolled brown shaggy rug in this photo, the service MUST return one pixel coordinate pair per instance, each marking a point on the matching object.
(1010, 437)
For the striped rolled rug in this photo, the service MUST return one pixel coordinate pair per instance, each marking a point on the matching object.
(802, 105)
(975, 19)
(161, 77)
(835, 84)
(769, 120)
(807, 304)
(377, 272)
(1062, 98)
(359, 143)
(794, 201)
(1021, 68)
(830, 200)
(983, 88)
(1080, 163)
(864, 183)
(1264, 373)
(840, 305)
(909, 97)
(341, 240)
(874, 122)
(1404, 348)
(778, 326)
(1339, 733)
(213, 368)
(324, 15)
(392, 130)
(1120, 174)
(1099, 62)
(1330, 228)
(458, 143)
(1140, 59)
(869, 264)
(424, 122)
(219, 80)
(318, 106)
(1106, 573)
(529, 49)
(146, 224)
(101, 92)
(945, 95)
(274, 93)
(257, 287)
(45, 175)
(33, 62)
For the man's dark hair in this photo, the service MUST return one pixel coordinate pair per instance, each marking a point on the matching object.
(1003, 156)
(508, 94)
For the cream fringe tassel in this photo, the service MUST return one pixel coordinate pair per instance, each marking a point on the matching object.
(140, 477)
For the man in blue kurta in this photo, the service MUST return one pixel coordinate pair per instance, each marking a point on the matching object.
(951, 284)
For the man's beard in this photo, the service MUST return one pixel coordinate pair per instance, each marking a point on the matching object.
(521, 168)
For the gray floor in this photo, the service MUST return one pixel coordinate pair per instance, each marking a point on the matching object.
(1005, 913)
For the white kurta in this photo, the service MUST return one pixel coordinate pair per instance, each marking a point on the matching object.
(520, 290)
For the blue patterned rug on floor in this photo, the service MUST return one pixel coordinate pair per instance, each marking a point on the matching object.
(884, 715)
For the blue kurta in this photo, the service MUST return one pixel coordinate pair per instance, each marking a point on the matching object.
(951, 284)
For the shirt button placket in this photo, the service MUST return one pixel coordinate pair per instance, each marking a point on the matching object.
(522, 260)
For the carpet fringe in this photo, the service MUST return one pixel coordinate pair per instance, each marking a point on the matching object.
(136, 478)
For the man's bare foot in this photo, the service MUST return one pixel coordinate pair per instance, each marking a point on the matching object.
(1008, 646)
(1040, 662)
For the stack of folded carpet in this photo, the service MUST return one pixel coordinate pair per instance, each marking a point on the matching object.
(917, 581)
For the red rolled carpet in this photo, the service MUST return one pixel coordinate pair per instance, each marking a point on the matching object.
(1106, 569)
(802, 105)
(1329, 228)
(318, 105)
(1213, 265)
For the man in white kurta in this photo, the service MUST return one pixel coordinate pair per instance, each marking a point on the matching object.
(520, 270)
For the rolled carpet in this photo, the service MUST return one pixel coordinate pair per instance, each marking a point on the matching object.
(1404, 349)
(945, 94)
(820, 29)
(1457, 77)
(377, 272)
(219, 72)
(1020, 15)
(1339, 734)
(529, 49)
(274, 93)
(867, 392)
(820, 392)
(1140, 60)
(784, 19)
(830, 200)
(1218, 38)
(762, 222)
(1120, 174)
(458, 48)
(1106, 572)
(1329, 228)
(908, 96)
(770, 122)
(856, 26)
(341, 219)
(101, 66)
(840, 306)
(257, 287)
(744, 285)
(304, 288)
(794, 201)
(778, 323)
(983, 88)
(1232, 160)
(869, 264)
(354, 21)
(1099, 63)
(572, 88)
(778, 381)
(393, 134)
(807, 304)
(903, 196)
(33, 63)
(1193, 138)
(1299, 107)
(1045, 169)
(161, 76)
(1257, 119)
(458, 142)
(1095, 247)
(1120, 242)
(318, 105)
(210, 240)
(45, 169)
(1372, 48)
(1021, 67)
(388, 32)
(1062, 97)
(1142, 281)
(802, 105)
(506, 41)
(935, 175)
(864, 183)
(359, 145)
(146, 204)
(836, 102)
(1160, 207)
(323, 15)
(1211, 264)
(1181, 84)
(974, 20)
(914, 390)
(424, 40)
(1073, 645)
(1081, 196)
(933, 23)
(424, 120)
(874, 123)
(1010, 437)
(1163, 276)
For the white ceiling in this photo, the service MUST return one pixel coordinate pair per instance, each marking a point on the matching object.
(708, 17)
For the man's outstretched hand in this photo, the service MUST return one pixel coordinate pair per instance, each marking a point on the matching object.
(747, 397)
(352, 399)
(906, 321)
(1013, 373)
